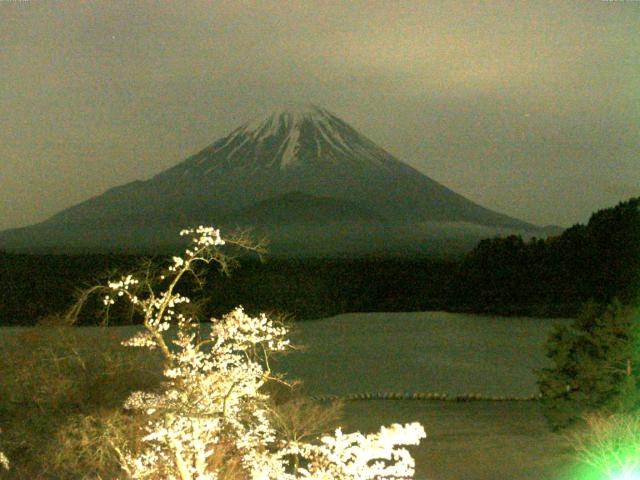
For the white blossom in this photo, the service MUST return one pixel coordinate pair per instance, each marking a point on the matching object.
(141, 339)
(211, 398)
(355, 456)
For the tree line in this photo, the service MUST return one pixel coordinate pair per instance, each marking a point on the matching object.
(598, 261)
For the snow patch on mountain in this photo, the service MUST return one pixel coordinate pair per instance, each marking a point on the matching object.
(285, 124)
(291, 145)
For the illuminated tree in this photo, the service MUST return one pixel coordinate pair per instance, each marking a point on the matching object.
(212, 418)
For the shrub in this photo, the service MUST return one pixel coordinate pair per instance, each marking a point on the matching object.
(83, 446)
(55, 378)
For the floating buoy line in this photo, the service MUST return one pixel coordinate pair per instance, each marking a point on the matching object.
(470, 397)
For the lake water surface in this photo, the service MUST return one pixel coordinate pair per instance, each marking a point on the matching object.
(419, 352)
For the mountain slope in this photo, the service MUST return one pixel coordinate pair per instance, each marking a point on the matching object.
(310, 151)
(306, 150)
(296, 208)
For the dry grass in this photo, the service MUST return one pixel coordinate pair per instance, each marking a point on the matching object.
(86, 444)
(61, 392)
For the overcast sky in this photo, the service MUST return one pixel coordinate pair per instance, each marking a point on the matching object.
(529, 108)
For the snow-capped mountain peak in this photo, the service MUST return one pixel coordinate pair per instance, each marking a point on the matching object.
(303, 149)
(287, 122)
(294, 164)
(298, 137)
(289, 114)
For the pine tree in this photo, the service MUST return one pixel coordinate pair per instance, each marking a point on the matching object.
(596, 365)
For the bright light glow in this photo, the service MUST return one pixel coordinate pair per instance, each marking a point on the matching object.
(627, 475)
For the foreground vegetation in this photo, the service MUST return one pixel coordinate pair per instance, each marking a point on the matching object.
(477, 439)
(61, 392)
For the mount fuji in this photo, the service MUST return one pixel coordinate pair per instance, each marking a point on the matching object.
(296, 166)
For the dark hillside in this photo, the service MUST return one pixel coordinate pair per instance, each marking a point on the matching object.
(597, 261)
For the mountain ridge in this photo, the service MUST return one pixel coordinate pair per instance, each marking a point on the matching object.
(307, 150)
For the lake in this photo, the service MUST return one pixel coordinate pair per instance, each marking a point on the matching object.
(419, 352)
